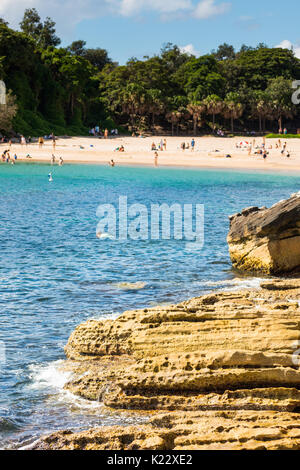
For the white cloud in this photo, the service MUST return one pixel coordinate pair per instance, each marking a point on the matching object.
(286, 44)
(208, 8)
(68, 13)
(189, 49)
(132, 7)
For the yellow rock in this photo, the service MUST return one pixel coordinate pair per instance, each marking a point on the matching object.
(222, 366)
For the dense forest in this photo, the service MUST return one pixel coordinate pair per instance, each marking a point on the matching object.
(69, 90)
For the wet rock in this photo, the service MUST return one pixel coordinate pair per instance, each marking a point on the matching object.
(267, 240)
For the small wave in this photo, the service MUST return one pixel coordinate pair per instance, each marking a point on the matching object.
(78, 402)
(49, 375)
(131, 285)
(237, 283)
(106, 316)
(53, 376)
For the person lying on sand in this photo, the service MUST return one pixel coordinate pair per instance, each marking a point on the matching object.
(120, 149)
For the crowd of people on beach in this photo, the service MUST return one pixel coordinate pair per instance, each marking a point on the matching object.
(6, 158)
(254, 148)
(262, 149)
(97, 132)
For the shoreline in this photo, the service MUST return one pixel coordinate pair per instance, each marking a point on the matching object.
(210, 153)
(237, 169)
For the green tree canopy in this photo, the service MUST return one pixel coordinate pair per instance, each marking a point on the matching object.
(42, 33)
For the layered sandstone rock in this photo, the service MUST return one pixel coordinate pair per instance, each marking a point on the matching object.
(267, 240)
(223, 367)
(223, 430)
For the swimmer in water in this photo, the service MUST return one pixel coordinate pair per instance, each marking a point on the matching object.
(112, 163)
(61, 161)
(50, 178)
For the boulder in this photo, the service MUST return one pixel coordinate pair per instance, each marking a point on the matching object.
(267, 240)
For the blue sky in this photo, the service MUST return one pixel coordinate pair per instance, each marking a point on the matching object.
(134, 28)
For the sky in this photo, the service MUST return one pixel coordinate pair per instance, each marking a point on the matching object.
(138, 28)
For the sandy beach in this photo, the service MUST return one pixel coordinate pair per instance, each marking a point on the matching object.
(210, 152)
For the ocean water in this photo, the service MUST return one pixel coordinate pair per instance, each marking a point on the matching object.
(55, 273)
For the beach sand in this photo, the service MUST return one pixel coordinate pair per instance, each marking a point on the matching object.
(138, 152)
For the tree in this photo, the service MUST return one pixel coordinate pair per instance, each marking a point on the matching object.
(200, 77)
(196, 109)
(214, 105)
(3, 22)
(256, 67)
(233, 108)
(134, 102)
(260, 106)
(279, 98)
(77, 47)
(97, 57)
(155, 104)
(42, 33)
(176, 109)
(48, 36)
(173, 57)
(224, 52)
(7, 112)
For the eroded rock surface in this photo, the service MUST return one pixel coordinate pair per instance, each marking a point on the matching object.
(222, 367)
(267, 240)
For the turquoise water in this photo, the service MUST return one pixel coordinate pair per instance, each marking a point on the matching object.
(55, 272)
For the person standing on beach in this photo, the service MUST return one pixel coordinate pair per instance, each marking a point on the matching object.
(106, 134)
(52, 159)
(156, 159)
(193, 144)
(165, 144)
(41, 142)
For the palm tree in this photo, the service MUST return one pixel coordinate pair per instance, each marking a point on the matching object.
(155, 104)
(173, 117)
(260, 106)
(176, 110)
(133, 102)
(233, 109)
(196, 110)
(214, 105)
